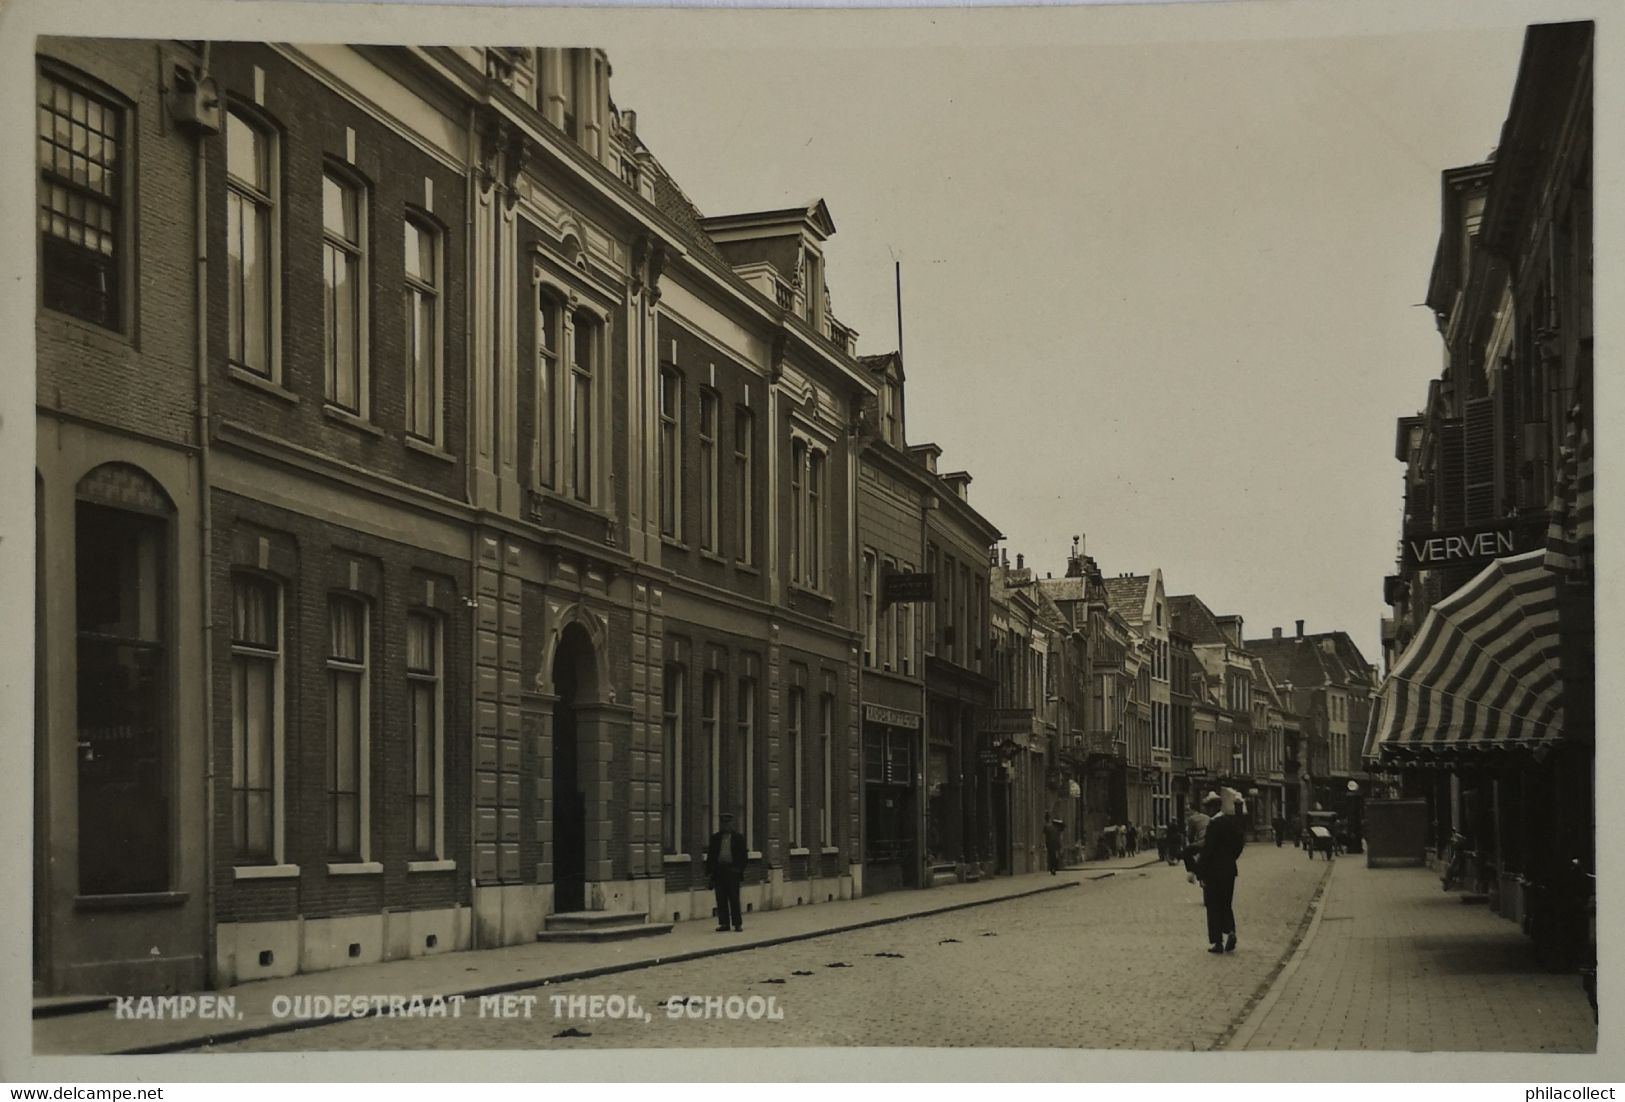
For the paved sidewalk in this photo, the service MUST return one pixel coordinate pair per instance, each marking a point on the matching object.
(1393, 962)
(490, 971)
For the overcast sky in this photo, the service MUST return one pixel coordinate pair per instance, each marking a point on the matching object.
(1162, 295)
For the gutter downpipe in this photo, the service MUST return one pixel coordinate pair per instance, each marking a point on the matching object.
(205, 539)
(471, 599)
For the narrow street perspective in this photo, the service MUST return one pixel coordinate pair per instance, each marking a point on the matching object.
(488, 596)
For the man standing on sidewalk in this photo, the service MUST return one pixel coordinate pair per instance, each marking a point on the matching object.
(724, 863)
(1217, 869)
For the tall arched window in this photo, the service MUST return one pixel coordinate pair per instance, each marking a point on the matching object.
(124, 657)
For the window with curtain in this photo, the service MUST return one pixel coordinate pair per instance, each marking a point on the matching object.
(424, 710)
(347, 709)
(421, 308)
(256, 657)
(251, 224)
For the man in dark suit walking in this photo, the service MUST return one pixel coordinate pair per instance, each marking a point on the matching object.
(1216, 868)
(725, 863)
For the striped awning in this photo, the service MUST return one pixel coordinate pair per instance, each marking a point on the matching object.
(1571, 537)
(1483, 672)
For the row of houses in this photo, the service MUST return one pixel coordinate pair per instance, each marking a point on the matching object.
(441, 523)
(1488, 711)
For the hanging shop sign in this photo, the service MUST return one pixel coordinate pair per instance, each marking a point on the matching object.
(891, 717)
(897, 587)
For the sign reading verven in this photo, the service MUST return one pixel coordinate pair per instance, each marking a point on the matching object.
(1459, 547)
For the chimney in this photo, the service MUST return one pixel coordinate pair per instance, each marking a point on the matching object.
(1300, 629)
(1276, 634)
(1020, 563)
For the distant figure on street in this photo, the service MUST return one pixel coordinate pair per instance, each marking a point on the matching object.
(1280, 829)
(1052, 844)
(725, 863)
(1195, 832)
(1174, 841)
(1133, 840)
(1216, 866)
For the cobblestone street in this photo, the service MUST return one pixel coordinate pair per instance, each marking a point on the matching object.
(1119, 962)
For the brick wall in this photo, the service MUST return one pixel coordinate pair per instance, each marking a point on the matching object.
(143, 378)
(311, 560)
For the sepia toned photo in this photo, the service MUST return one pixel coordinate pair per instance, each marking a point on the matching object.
(1060, 541)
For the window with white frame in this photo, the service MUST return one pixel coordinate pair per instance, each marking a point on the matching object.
(905, 611)
(710, 480)
(815, 519)
(583, 403)
(745, 483)
(711, 732)
(886, 644)
(795, 719)
(798, 508)
(870, 606)
(347, 728)
(256, 717)
(81, 202)
(251, 234)
(671, 453)
(826, 769)
(545, 438)
(421, 301)
(344, 282)
(672, 758)
(426, 716)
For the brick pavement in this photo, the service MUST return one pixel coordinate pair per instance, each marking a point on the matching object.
(529, 965)
(1393, 962)
(1119, 962)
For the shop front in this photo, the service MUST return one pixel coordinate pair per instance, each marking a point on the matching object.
(893, 812)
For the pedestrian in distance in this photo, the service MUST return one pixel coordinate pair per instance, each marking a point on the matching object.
(1216, 868)
(1280, 830)
(1052, 844)
(725, 859)
(1195, 832)
(1133, 840)
(1175, 845)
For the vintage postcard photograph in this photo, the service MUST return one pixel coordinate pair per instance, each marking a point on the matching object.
(581, 531)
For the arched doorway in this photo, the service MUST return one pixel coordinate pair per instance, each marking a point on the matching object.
(575, 684)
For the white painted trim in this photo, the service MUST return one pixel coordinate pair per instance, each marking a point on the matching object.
(800, 851)
(355, 868)
(264, 872)
(678, 858)
(443, 865)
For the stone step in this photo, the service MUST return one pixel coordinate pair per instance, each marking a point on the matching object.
(601, 932)
(580, 920)
(944, 874)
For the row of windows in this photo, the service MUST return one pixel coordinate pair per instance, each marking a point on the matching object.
(258, 725)
(888, 632)
(728, 750)
(82, 194)
(253, 266)
(673, 450)
(953, 627)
